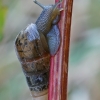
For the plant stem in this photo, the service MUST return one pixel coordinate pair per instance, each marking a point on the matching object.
(59, 63)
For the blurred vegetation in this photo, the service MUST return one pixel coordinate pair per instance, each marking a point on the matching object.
(84, 66)
(94, 20)
(3, 12)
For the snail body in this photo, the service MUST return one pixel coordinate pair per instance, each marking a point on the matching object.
(35, 44)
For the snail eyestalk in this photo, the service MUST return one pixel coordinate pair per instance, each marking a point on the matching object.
(36, 2)
(58, 3)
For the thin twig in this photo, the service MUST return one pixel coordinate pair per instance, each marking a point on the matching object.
(59, 63)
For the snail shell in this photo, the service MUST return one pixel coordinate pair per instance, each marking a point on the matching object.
(32, 51)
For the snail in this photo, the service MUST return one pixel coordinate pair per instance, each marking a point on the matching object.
(35, 44)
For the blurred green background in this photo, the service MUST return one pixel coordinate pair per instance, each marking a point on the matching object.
(84, 62)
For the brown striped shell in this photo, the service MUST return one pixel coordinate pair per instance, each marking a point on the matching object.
(32, 51)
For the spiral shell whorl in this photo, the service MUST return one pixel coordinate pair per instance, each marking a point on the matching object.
(32, 51)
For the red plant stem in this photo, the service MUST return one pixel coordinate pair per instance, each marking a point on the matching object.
(59, 63)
